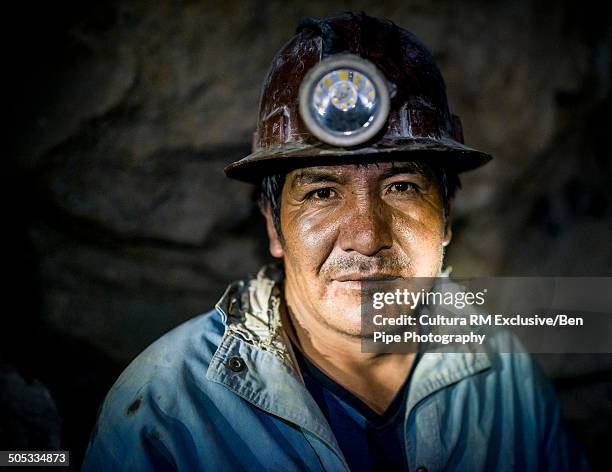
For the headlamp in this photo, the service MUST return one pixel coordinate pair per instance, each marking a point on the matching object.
(344, 100)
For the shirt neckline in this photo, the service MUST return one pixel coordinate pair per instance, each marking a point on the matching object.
(375, 419)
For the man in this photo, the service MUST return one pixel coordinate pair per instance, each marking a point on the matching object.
(357, 157)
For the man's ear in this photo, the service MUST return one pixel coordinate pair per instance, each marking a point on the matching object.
(448, 230)
(275, 246)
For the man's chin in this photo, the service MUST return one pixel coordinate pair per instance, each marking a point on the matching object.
(344, 293)
(344, 318)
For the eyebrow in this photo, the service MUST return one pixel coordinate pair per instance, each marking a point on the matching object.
(313, 176)
(404, 168)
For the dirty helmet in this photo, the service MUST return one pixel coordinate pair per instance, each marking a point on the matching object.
(353, 88)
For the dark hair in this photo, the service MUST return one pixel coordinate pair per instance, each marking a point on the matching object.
(269, 194)
(270, 189)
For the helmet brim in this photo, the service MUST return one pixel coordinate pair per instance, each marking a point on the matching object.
(446, 152)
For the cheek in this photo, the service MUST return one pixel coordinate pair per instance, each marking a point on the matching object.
(309, 237)
(419, 232)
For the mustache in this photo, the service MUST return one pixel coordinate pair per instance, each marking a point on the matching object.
(366, 265)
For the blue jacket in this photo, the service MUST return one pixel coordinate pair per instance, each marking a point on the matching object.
(222, 392)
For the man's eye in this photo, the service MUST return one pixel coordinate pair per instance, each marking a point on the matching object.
(322, 194)
(403, 187)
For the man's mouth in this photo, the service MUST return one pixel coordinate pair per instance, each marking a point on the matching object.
(356, 277)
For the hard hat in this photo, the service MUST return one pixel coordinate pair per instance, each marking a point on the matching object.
(353, 88)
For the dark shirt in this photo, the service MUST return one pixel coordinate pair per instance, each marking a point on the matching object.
(369, 441)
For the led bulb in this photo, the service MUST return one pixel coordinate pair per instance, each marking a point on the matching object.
(344, 100)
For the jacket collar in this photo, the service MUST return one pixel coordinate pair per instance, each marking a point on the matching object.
(251, 312)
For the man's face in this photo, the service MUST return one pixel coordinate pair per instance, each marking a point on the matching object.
(345, 224)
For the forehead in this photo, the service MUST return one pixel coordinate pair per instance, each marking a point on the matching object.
(347, 172)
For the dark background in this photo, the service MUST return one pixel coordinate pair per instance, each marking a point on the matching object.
(120, 224)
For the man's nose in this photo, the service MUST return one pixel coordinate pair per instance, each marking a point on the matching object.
(366, 228)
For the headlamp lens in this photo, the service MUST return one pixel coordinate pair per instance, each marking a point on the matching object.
(344, 101)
